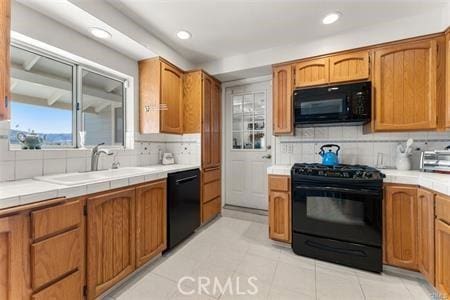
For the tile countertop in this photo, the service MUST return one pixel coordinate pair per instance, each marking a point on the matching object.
(434, 181)
(21, 192)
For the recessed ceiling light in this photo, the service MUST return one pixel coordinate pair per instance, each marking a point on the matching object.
(100, 33)
(331, 18)
(184, 35)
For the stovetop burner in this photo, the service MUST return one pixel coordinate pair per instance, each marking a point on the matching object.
(338, 171)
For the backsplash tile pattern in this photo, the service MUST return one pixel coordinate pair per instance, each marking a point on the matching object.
(356, 147)
(22, 164)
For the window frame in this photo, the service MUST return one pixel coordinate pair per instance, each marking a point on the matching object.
(243, 93)
(77, 101)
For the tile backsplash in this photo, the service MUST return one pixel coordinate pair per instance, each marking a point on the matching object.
(374, 149)
(22, 164)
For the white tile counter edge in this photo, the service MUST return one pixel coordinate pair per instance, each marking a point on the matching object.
(434, 181)
(21, 192)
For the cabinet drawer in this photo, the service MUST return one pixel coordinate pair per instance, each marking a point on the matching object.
(211, 175)
(279, 183)
(211, 190)
(55, 219)
(55, 257)
(211, 209)
(69, 288)
(443, 208)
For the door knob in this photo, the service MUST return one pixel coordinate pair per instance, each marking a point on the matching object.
(267, 156)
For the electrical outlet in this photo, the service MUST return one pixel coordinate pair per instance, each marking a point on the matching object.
(290, 148)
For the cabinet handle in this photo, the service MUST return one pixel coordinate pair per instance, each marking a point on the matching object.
(6, 101)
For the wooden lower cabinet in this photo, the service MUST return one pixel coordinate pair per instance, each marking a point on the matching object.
(280, 208)
(279, 216)
(211, 191)
(14, 257)
(425, 225)
(110, 240)
(401, 230)
(443, 257)
(67, 289)
(151, 221)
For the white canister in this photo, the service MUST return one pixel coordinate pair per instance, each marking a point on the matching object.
(403, 162)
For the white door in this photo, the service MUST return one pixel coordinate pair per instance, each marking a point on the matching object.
(248, 144)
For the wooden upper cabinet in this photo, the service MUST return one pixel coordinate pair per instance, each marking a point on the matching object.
(404, 85)
(349, 66)
(282, 100)
(192, 102)
(160, 97)
(172, 97)
(5, 24)
(14, 258)
(211, 123)
(425, 200)
(151, 221)
(111, 240)
(312, 72)
(447, 81)
(401, 226)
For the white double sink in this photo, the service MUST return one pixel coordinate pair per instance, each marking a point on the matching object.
(95, 176)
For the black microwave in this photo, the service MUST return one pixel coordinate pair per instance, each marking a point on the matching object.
(348, 104)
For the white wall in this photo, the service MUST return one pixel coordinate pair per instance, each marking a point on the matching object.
(431, 22)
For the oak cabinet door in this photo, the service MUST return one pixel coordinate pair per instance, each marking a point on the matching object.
(211, 123)
(172, 98)
(110, 240)
(405, 86)
(312, 72)
(192, 102)
(280, 216)
(282, 100)
(5, 25)
(401, 226)
(215, 125)
(349, 67)
(151, 221)
(442, 257)
(14, 258)
(425, 200)
(447, 79)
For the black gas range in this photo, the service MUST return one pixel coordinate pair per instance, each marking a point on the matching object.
(337, 214)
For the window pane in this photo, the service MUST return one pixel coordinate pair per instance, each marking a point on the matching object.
(260, 103)
(260, 141)
(248, 103)
(248, 122)
(237, 122)
(237, 104)
(102, 100)
(237, 140)
(42, 99)
(248, 140)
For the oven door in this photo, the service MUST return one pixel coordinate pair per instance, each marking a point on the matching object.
(339, 213)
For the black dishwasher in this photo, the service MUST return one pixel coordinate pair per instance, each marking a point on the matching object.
(183, 205)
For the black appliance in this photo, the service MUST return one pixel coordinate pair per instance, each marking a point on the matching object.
(337, 214)
(183, 205)
(349, 104)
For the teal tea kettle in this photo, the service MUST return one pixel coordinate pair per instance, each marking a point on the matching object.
(329, 158)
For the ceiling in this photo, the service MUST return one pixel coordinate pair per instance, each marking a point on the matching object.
(225, 28)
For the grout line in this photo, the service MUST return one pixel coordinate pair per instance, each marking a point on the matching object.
(358, 141)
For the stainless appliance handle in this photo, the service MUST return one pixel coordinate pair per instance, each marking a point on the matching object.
(180, 181)
(334, 189)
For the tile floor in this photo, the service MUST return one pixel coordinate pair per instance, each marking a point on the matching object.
(239, 249)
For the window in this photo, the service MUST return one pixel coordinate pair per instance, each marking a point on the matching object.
(57, 98)
(249, 121)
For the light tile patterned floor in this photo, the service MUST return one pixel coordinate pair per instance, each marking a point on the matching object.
(239, 249)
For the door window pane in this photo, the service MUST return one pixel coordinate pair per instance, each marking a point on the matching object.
(42, 100)
(102, 99)
(249, 121)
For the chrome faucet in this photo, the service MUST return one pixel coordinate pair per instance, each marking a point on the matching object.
(96, 152)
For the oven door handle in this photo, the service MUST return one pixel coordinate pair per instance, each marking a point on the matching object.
(334, 189)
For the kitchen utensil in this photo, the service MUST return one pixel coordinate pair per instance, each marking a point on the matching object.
(329, 158)
(30, 140)
(168, 159)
